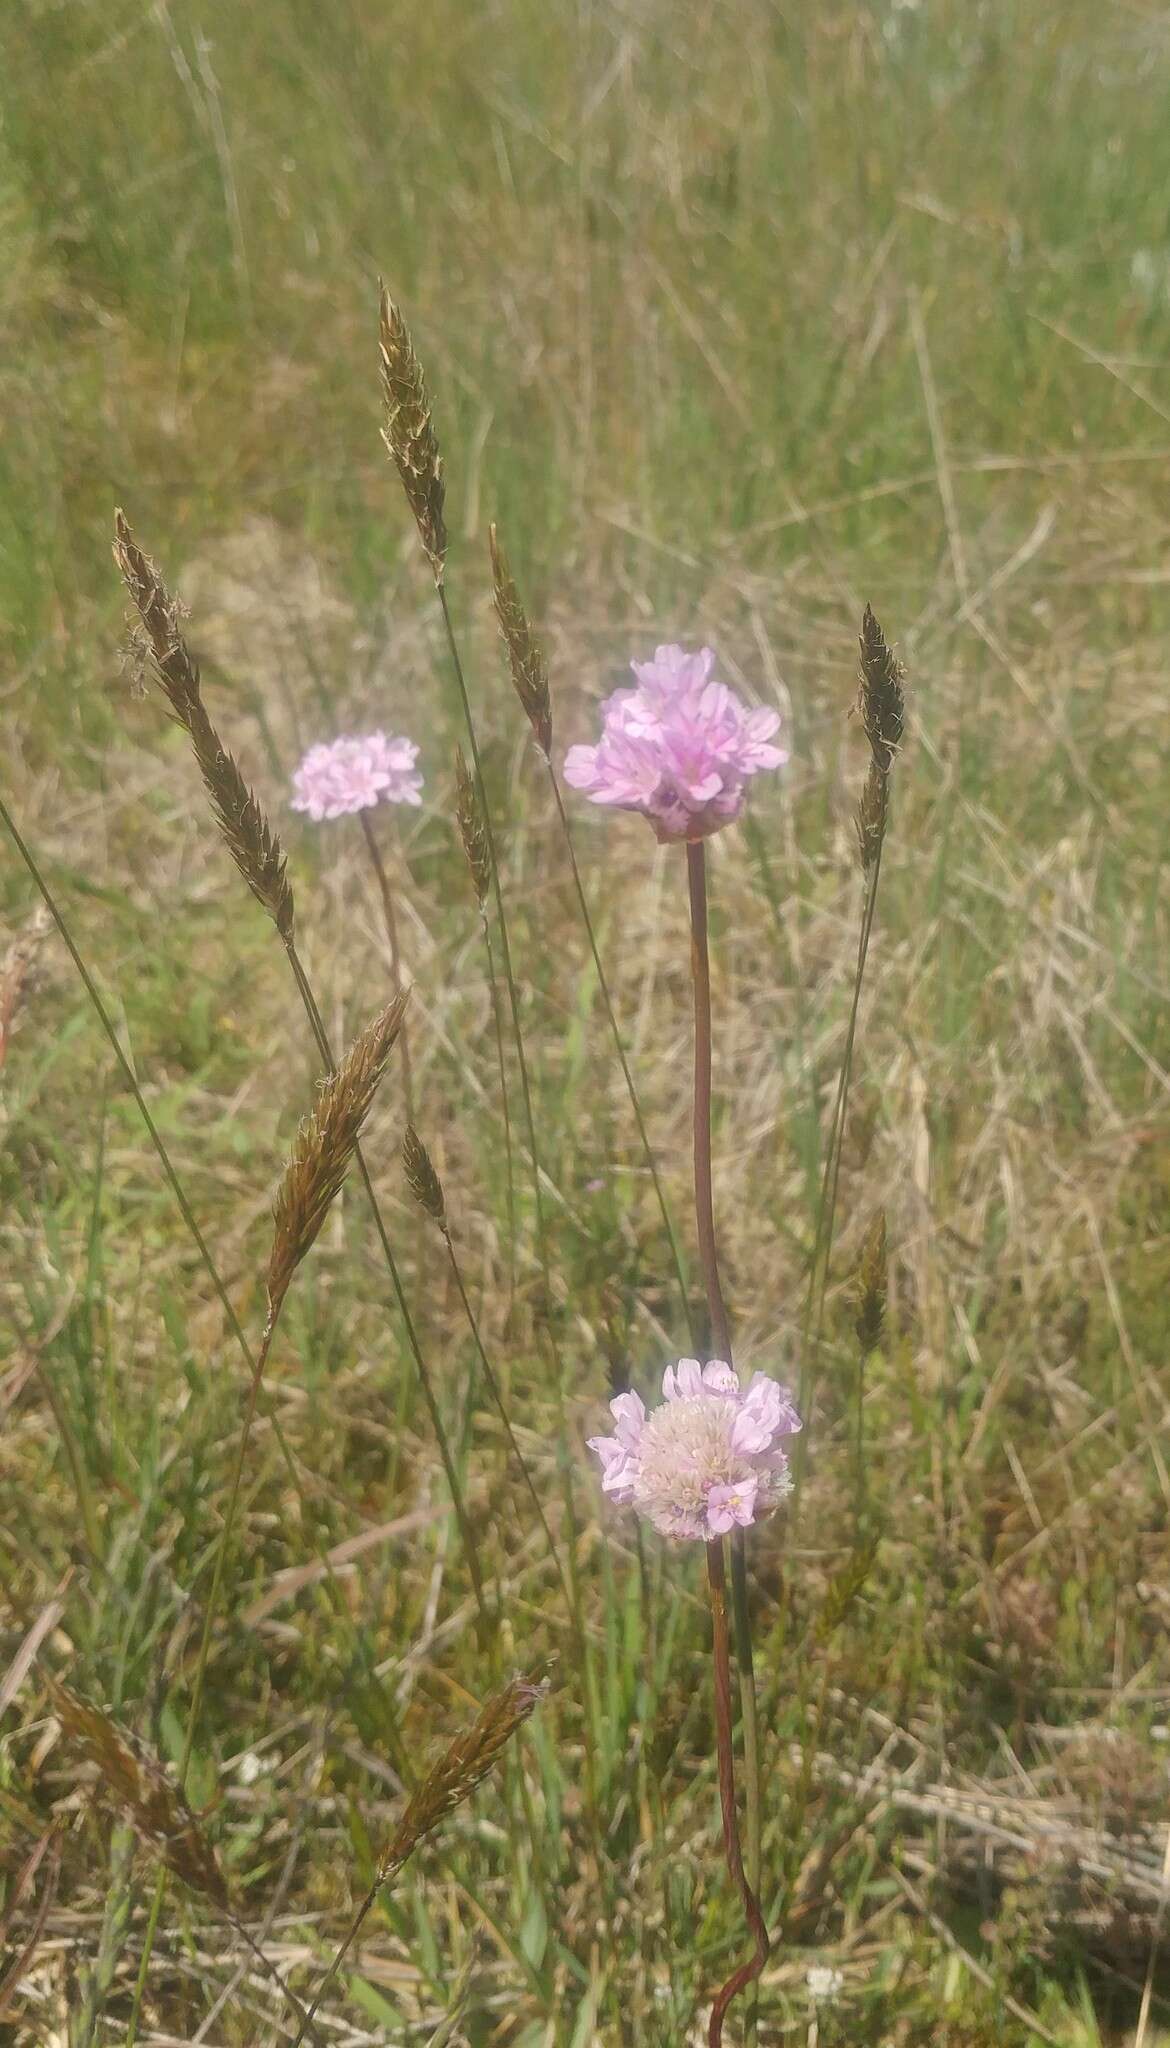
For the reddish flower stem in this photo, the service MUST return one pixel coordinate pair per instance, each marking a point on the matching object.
(749, 1971)
(721, 1343)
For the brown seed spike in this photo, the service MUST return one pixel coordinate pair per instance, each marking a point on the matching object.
(469, 818)
(253, 845)
(872, 1284)
(529, 671)
(137, 1781)
(880, 695)
(421, 1178)
(323, 1147)
(462, 1766)
(870, 819)
(409, 432)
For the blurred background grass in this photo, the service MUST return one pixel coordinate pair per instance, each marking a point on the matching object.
(735, 317)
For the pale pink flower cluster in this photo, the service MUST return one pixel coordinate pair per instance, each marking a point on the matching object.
(709, 1459)
(680, 748)
(344, 775)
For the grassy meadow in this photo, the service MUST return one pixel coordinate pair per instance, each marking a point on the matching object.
(735, 318)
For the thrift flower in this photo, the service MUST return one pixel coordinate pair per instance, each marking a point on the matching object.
(679, 748)
(706, 1461)
(346, 775)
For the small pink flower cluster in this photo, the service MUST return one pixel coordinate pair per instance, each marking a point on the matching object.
(679, 748)
(344, 775)
(709, 1459)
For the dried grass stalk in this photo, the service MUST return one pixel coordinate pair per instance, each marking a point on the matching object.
(421, 1178)
(462, 1766)
(527, 663)
(409, 432)
(872, 1281)
(469, 818)
(137, 1782)
(250, 840)
(324, 1145)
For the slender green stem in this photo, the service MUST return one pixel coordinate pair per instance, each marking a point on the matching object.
(538, 1200)
(390, 920)
(721, 1340)
(748, 1972)
(498, 1029)
(494, 1388)
(631, 1090)
(818, 1279)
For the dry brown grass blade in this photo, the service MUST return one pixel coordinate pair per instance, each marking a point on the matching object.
(52, 1844)
(253, 845)
(409, 432)
(324, 1146)
(527, 663)
(464, 1764)
(421, 1178)
(137, 1782)
(469, 818)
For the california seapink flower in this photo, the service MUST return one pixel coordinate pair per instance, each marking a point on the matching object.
(680, 747)
(344, 775)
(708, 1460)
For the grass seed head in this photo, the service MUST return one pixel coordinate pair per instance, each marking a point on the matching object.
(253, 845)
(469, 817)
(527, 663)
(872, 1282)
(323, 1147)
(463, 1765)
(871, 814)
(421, 1178)
(137, 1782)
(880, 699)
(409, 432)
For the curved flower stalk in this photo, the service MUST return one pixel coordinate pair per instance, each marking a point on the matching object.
(350, 776)
(680, 749)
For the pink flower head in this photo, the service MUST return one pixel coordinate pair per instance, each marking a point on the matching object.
(346, 775)
(679, 748)
(708, 1460)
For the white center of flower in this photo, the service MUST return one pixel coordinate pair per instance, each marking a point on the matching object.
(685, 1450)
